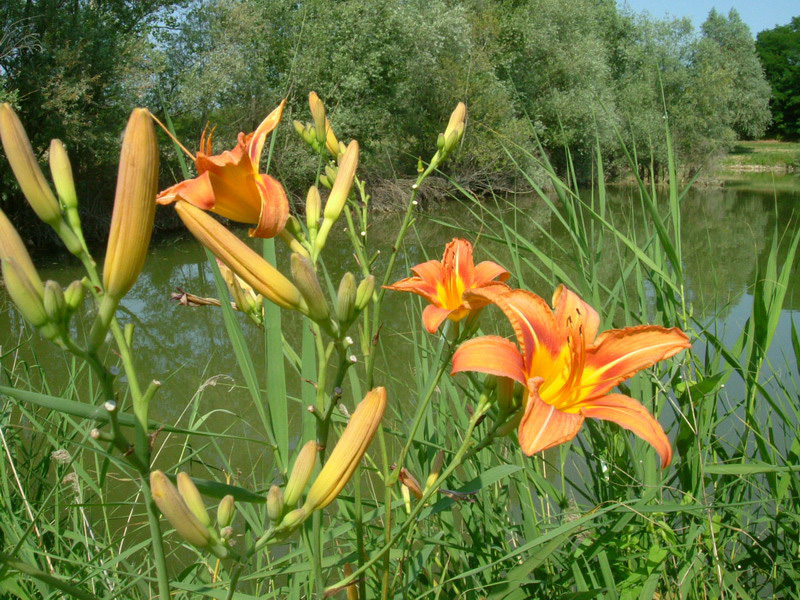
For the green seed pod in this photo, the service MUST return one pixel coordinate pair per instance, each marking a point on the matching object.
(275, 503)
(346, 298)
(225, 512)
(364, 292)
(54, 304)
(73, 296)
(191, 495)
(305, 278)
(301, 473)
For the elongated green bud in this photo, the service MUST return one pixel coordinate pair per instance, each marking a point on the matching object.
(313, 208)
(73, 297)
(293, 519)
(301, 473)
(11, 246)
(346, 298)
(505, 394)
(61, 169)
(26, 168)
(191, 495)
(305, 278)
(343, 184)
(275, 503)
(225, 511)
(28, 297)
(318, 113)
(177, 512)
(364, 293)
(54, 304)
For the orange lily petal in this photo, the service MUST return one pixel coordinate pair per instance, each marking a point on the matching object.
(631, 415)
(621, 353)
(488, 270)
(430, 271)
(415, 285)
(532, 319)
(458, 256)
(476, 301)
(236, 196)
(274, 207)
(569, 306)
(259, 136)
(490, 354)
(197, 191)
(543, 425)
(433, 316)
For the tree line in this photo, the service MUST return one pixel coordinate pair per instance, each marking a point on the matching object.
(536, 75)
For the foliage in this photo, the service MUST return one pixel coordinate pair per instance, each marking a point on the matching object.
(779, 50)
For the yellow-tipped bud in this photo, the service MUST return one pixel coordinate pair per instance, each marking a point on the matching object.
(61, 169)
(438, 461)
(177, 512)
(26, 168)
(244, 261)
(348, 451)
(73, 296)
(301, 473)
(292, 520)
(330, 140)
(307, 282)
(408, 480)
(225, 512)
(452, 140)
(343, 184)
(275, 503)
(318, 113)
(456, 119)
(346, 298)
(27, 295)
(54, 304)
(364, 293)
(134, 205)
(299, 128)
(313, 208)
(191, 495)
(243, 294)
(11, 246)
(330, 172)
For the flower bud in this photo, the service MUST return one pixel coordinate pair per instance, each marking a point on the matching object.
(26, 168)
(348, 451)
(346, 298)
(134, 205)
(54, 304)
(293, 519)
(225, 512)
(73, 296)
(306, 280)
(440, 141)
(175, 510)
(275, 503)
(11, 246)
(343, 183)
(505, 394)
(438, 461)
(61, 169)
(191, 495)
(511, 425)
(301, 473)
(456, 120)
(313, 208)
(318, 113)
(331, 142)
(364, 292)
(242, 259)
(27, 295)
(299, 128)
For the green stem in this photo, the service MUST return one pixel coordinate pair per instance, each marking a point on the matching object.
(481, 410)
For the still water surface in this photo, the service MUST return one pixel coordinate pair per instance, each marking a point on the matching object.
(726, 240)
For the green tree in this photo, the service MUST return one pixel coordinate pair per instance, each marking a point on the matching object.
(779, 49)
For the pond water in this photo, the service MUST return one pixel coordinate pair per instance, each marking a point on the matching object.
(726, 239)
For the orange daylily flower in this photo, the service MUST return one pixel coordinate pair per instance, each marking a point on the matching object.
(568, 369)
(230, 185)
(444, 283)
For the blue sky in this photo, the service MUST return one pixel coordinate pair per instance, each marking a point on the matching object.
(758, 14)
